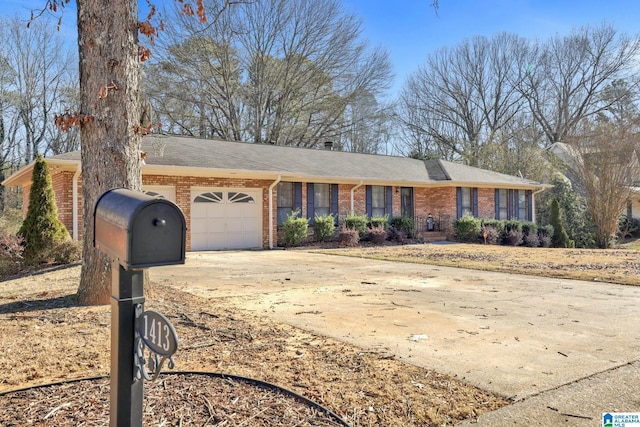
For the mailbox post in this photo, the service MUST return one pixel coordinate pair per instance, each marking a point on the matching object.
(136, 231)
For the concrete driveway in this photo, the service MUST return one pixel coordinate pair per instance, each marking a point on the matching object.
(512, 334)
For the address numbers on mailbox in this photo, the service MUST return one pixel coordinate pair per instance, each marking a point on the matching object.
(157, 333)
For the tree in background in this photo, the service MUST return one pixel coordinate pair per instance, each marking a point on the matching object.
(42, 230)
(464, 98)
(38, 80)
(496, 102)
(563, 78)
(286, 72)
(606, 166)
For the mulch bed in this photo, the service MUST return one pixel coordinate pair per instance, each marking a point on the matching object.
(189, 399)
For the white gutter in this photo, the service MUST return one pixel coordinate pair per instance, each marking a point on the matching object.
(353, 190)
(271, 187)
(533, 203)
(75, 201)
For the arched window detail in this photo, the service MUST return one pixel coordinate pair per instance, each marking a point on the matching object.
(240, 198)
(215, 197)
(154, 194)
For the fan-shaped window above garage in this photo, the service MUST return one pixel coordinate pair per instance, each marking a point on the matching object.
(154, 194)
(215, 197)
(240, 198)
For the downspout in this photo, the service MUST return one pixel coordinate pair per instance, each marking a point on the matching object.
(271, 187)
(75, 201)
(353, 190)
(533, 202)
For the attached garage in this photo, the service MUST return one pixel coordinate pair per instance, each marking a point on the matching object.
(226, 218)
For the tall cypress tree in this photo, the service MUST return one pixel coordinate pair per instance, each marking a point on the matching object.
(41, 229)
(560, 238)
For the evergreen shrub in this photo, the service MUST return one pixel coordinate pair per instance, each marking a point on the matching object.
(467, 229)
(405, 224)
(41, 230)
(295, 229)
(324, 227)
(379, 221)
(356, 222)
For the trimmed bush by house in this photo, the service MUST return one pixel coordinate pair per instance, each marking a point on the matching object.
(356, 222)
(379, 221)
(531, 240)
(529, 227)
(67, 252)
(530, 234)
(545, 241)
(512, 224)
(396, 235)
(493, 236)
(513, 237)
(324, 227)
(497, 224)
(545, 230)
(348, 236)
(295, 229)
(377, 235)
(467, 229)
(405, 224)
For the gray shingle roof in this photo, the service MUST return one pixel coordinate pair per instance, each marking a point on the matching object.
(310, 164)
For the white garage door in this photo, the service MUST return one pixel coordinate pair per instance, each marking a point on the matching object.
(226, 219)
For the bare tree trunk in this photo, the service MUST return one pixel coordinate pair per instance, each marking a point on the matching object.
(109, 86)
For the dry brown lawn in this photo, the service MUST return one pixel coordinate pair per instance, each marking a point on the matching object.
(46, 337)
(606, 265)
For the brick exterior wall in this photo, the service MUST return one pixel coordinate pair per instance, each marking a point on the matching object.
(486, 203)
(440, 202)
(63, 189)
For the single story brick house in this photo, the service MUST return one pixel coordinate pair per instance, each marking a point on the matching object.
(235, 195)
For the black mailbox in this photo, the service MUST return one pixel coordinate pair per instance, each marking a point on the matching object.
(138, 230)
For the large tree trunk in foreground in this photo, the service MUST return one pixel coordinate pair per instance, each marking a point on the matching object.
(109, 87)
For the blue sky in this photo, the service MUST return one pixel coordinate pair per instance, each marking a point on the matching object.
(411, 29)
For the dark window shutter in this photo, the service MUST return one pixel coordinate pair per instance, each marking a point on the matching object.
(310, 207)
(459, 202)
(368, 200)
(497, 201)
(389, 212)
(513, 204)
(475, 202)
(529, 205)
(334, 202)
(297, 196)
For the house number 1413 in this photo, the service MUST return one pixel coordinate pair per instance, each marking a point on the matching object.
(157, 332)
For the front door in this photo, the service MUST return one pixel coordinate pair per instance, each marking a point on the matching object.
(406, 202)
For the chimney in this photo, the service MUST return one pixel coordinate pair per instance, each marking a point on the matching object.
(328, 145)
